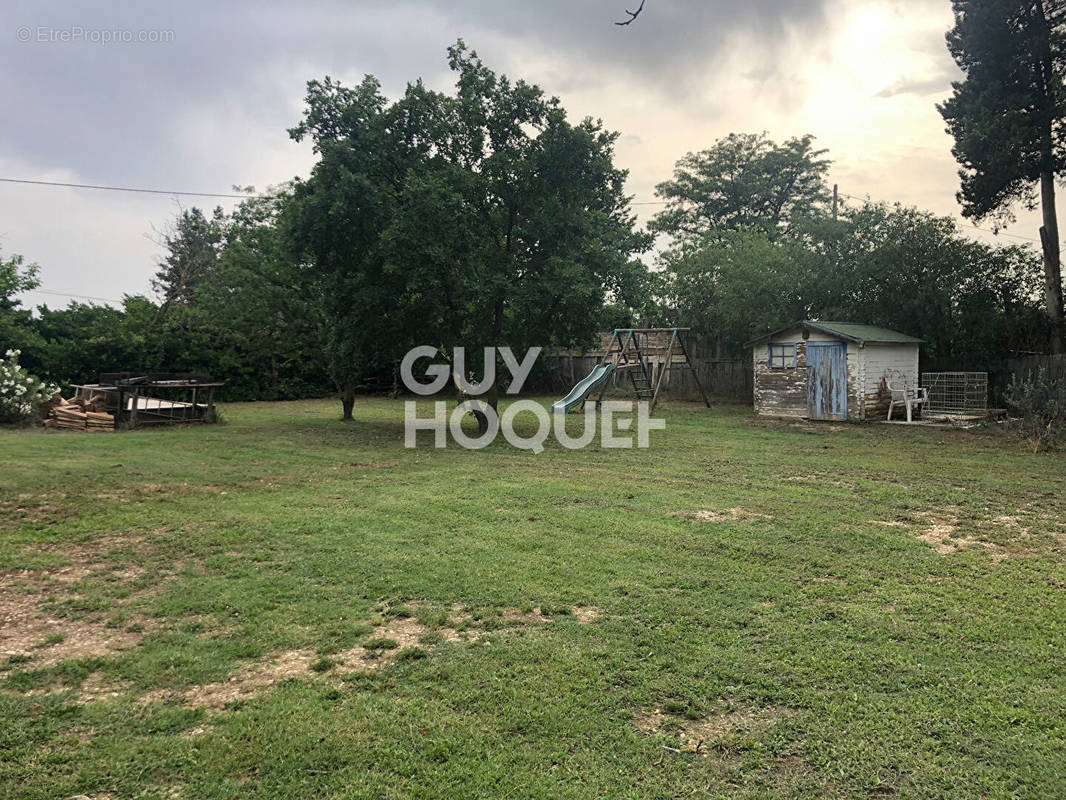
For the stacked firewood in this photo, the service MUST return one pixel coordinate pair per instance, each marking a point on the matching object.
(79, 413)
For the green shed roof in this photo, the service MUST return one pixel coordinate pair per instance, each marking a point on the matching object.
(852, 331)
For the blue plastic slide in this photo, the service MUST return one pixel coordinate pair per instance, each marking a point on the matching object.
(584, 388)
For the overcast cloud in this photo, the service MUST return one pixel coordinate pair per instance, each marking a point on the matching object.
(207, 107)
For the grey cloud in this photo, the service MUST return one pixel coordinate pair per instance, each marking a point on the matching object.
(921, 87)
(210, 107)
(117, 111)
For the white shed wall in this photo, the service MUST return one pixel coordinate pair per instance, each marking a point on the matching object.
(881, 359)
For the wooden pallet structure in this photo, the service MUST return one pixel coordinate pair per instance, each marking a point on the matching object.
(638, 351)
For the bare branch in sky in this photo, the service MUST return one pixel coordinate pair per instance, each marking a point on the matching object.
(632, 14)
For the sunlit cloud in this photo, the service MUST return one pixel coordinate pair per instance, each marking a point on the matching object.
(210, 109)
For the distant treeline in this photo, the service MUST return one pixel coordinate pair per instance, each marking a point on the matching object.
(230, 307)
(487, 218)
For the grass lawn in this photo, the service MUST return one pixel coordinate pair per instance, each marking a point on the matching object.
(288, 606)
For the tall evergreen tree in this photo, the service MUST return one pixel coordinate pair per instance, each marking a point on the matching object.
(1007, 118)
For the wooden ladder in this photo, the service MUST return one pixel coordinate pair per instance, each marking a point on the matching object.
(641, 384)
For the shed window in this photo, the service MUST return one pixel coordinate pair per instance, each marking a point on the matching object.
(782, 356)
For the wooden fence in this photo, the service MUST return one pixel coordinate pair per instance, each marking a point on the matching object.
(1029, 366)
(724, 375)
(1024, 368)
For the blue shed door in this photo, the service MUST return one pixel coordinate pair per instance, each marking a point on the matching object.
(827, 380)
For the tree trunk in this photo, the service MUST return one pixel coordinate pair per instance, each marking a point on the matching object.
(492, 397)
(348, 400)
(1049, 239)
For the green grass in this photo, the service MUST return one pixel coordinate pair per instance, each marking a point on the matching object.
(825, 654)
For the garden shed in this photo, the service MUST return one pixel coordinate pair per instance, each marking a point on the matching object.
(830, 370)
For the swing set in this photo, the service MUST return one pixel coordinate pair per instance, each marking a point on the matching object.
(646, 355)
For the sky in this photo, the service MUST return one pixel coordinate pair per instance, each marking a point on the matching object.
(198, 97)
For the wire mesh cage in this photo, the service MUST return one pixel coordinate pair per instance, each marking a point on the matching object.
(956, 392)
(156, 398)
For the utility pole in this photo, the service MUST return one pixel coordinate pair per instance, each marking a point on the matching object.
(836, 199)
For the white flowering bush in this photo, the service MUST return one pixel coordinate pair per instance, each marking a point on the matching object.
(20, 392)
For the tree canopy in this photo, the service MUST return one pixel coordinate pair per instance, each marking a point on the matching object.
(746, 181)
(971, 303)
(483, 218)
(16, 276)
(1008, 118)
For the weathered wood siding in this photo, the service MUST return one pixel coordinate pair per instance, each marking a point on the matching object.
(855, 361)
(780, 392)
(877, 362)
(783, 392)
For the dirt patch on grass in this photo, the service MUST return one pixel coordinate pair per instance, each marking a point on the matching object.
(586, 614)
(394, 639)
(33, 635)
(712, 516)
(940, 530)
(388, 642)
(469, 620)
(37, 639)
(249, 680)
(733, 743)
(368, 465)
(97, 687)
(85, 559)
(40, 512)
(818, 479)
(703, 735)
(464, 620)
(30, 507)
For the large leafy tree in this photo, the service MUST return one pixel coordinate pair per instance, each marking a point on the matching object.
(249, 317)
(483, 218)
(744, 182)
(914, 271)
(533, 230)
(367, 152)
(16, 329)
(84, 339)
(192, 248)
(273, 317)
(1007, 118)
(743, 283)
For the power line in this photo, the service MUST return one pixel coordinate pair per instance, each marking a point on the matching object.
(71, 294)
(870, 200)
(170, 192)
(963, 219)
(132, 189)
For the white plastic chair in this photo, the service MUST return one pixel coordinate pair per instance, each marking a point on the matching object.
(907, 397)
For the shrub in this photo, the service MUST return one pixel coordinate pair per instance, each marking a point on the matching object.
(20, 392)
(411, 654)
(381, 644)
(1040, 404)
